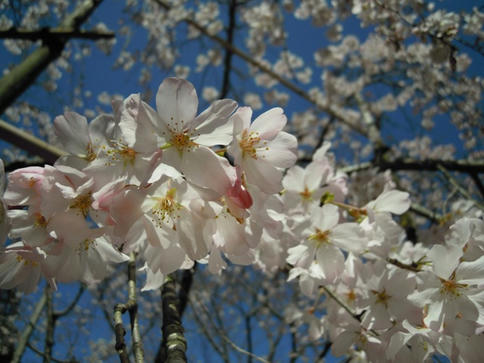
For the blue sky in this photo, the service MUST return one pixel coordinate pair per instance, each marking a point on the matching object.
(96, 74)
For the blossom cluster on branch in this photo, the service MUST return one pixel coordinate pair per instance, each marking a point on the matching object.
(176, 187)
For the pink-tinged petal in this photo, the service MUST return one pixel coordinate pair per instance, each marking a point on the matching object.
(281, 151)
(270, 123)
(393, 201)
(239, 195)
(331, 261)
(177, 103)
(262, 174)
(204, 168)
(72, 132)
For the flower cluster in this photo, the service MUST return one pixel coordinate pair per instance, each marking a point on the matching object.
(388, 299)
(175, 187)
(155, 182)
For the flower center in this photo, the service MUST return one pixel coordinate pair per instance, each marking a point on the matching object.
(27, 262)
(320, 237)
(451, 287)
(182, 141)
(165, 207)
(91, 155)
(83, 203)
(306, 194)
(127, 154)
(40, 220)
(84, 245)
(381, 297)
(248, 143)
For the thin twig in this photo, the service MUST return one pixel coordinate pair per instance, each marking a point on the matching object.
(68, 309)
(42, 354)
(50, 328)
(324, 107)
(458, 187)
(132, 307)
(227, 339)
(29, 328)
(341, 303)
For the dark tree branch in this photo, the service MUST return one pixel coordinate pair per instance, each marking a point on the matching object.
(228, 52)
(22, 76)
(68, 309)
(185, 286)
(47, 34)
(174, 342)
(28, 142)
(324, 107)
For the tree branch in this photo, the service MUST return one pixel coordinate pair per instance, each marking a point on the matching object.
(464, 166)
(29, 328)
(132, 307)
(46, 34)
(28, 142)
(174, 342)
(324, 107)
(228, 52)
(15, 82)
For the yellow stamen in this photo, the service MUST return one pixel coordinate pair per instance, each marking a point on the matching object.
(248, 142)
(320, 237)
(83, 203)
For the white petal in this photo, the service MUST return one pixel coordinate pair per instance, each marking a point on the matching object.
(177, 103)
(349, 236)
(270, 123)
(331, 260)
(280, 152)
(444, 259)
(471, 272)
(263, 175)
(203, 167)
(72, 131)
(393, 201)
